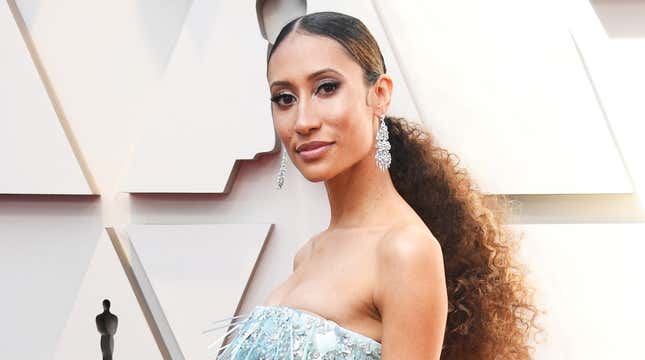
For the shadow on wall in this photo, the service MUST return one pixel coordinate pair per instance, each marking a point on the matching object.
(621, 18)
(161, 26)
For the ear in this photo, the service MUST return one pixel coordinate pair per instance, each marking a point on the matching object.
(381, 94)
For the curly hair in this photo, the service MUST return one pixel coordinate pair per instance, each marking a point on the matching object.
(491, 311)
(490, 305)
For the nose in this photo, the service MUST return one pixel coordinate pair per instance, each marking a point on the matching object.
(306, 120)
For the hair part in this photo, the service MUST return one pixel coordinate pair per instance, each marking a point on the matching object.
(349, 32)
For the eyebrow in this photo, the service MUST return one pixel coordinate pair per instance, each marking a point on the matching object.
(309, 77)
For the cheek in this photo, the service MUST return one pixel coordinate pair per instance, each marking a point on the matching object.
(345, 112)
(353, 130)
(339, 109)
(282, 129)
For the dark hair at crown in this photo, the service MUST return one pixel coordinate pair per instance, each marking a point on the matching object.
(349, 31)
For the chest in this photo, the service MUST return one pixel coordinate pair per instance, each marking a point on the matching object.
(335, 281)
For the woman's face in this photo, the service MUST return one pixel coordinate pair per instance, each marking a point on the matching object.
(318, 95)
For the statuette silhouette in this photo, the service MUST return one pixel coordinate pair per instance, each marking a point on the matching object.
(106, 324)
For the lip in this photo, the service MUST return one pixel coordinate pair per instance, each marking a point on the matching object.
(312, 145)
(313, 150)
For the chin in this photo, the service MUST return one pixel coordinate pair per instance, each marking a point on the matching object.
(315, 173)
(316, 177)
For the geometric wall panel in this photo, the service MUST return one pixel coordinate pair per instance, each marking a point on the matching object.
(35, 155)
(213, 107)
(195, 274)
(589, 279)
(273, 15)
(45, 250)
(402, 103)
(612, 43)
(105, 279)
(621, 18)
(508, 94)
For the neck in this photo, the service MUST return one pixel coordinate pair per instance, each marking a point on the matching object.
(362, 196)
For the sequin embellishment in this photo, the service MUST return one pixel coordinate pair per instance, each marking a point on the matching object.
(282, 332)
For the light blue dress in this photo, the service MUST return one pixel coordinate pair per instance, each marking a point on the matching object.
(282, 332)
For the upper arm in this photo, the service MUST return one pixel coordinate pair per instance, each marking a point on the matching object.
(411, 295)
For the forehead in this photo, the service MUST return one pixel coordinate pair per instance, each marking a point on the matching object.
(300, 54)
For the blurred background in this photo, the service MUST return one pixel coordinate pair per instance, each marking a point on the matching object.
(138, 160)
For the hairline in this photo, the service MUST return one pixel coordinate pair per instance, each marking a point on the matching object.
(303, 31)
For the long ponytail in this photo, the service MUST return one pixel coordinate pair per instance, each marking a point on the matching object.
(490, 308)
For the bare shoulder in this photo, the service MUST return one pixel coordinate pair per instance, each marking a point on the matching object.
(408, 243)
(407, 254)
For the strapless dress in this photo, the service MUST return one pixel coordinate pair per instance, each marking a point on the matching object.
(282, 332)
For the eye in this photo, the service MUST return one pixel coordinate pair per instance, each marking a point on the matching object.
(328, 87)
(276, 99)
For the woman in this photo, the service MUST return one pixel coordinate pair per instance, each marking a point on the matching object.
(414, 264)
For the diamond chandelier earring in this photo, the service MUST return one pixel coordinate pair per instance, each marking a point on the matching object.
(383, 157)
(283, 169)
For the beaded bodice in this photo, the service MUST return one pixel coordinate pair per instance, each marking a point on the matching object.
(283, 332)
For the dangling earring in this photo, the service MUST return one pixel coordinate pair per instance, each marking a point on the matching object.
(283, 169)
(383, 157)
